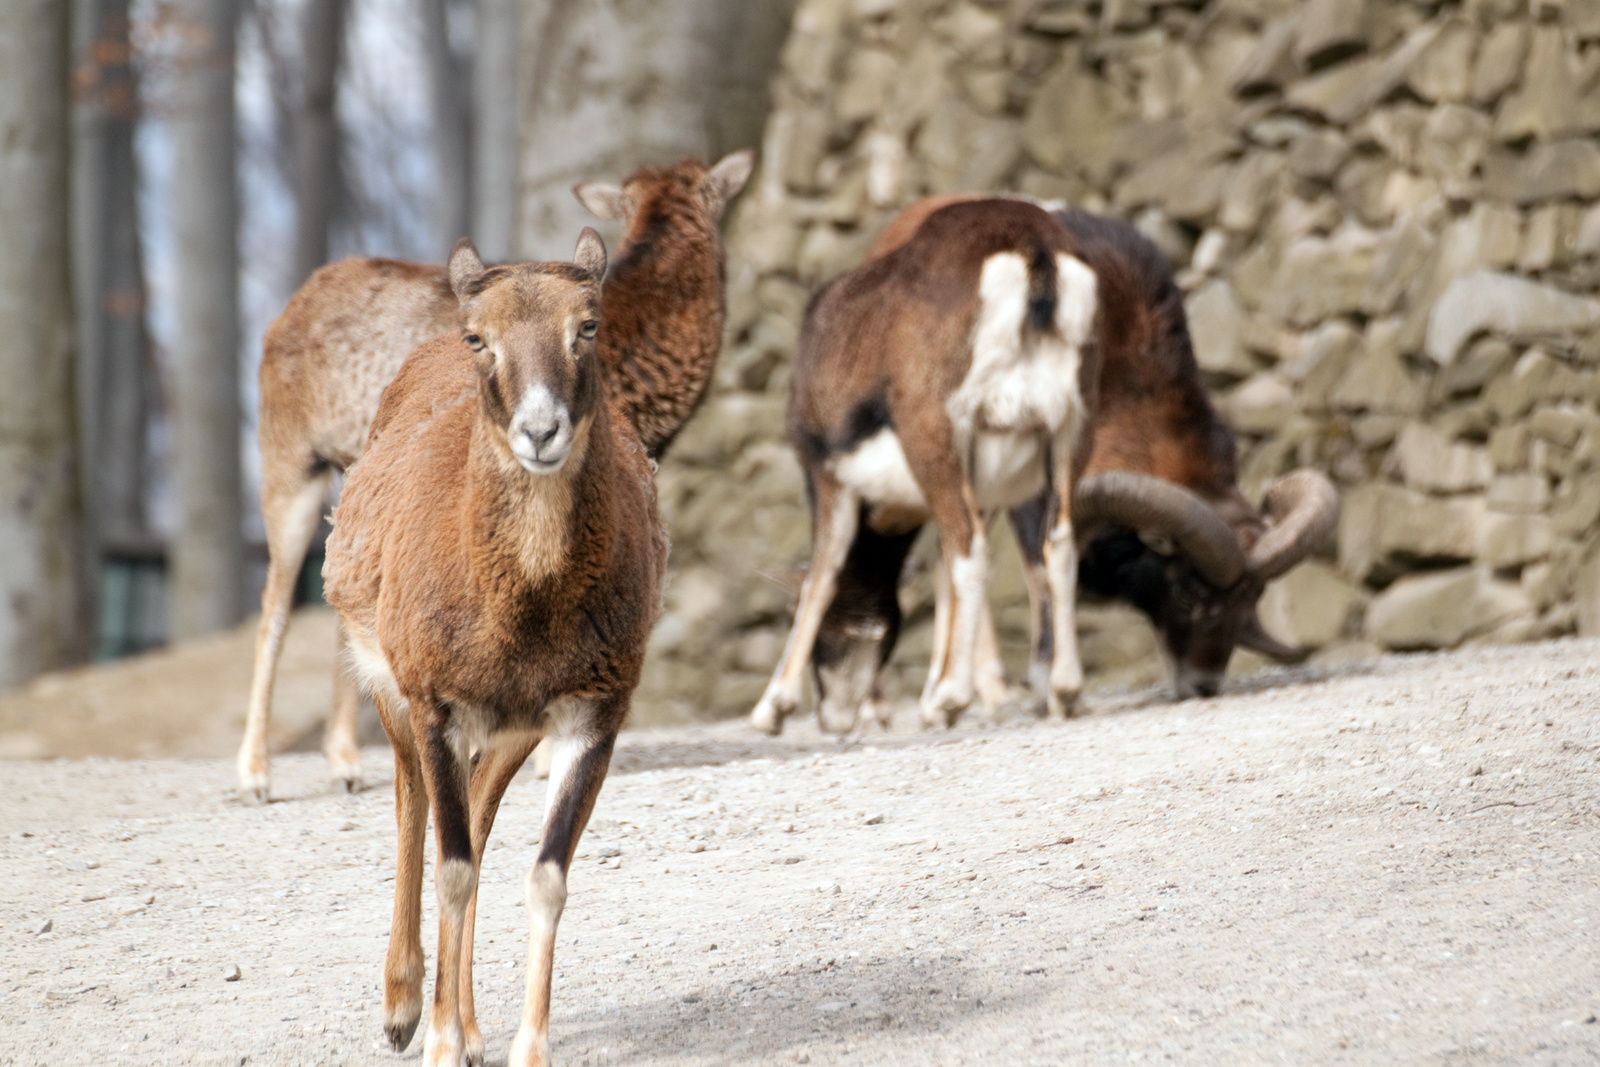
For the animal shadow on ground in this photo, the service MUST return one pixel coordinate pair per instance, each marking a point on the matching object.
(762, 1018)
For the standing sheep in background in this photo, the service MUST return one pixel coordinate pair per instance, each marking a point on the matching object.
(326, 360)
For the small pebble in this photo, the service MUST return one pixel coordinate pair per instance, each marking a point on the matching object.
(45, 927)
(231, 973)
(348, 826)
(791, 859)
(873, 820)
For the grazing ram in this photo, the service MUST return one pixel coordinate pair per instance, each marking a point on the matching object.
(949, 378)
(1157, 509)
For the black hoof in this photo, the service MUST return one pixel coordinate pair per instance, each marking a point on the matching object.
(400, 1034)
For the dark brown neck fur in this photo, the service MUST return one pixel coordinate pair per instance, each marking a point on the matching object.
(662, 308)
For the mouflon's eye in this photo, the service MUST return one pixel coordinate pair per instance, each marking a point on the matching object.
(474, 342)
(589, 328)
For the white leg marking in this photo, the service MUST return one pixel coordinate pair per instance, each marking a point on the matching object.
(1066, 673)
(816, 594)
(968, 579)
(290, 529)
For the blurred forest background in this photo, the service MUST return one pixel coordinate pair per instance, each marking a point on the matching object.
(174, 169)
(1384, 216)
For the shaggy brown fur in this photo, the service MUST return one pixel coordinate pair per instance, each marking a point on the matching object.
(1153, 417)
(327, 358)
(495, 594)
(915, 367)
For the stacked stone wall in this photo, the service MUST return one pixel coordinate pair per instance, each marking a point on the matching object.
(1384, 217)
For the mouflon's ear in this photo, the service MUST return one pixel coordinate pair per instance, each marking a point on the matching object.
(604, 200)
(729, 175)
(591, 253)
(465, 265)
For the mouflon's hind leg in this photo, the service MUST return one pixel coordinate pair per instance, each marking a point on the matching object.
(339, 742)
(835, 514)
(289, 508)
(581, 757)
(1061, 576)
(403, 964)
(491, 774)
(446, 768)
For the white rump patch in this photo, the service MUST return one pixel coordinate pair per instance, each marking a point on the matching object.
(1024, 379)
(1008, 468)
(877, 471)
(371, 669)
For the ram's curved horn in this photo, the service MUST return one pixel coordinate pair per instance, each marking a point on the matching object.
(1141, 502)
(1302, 509)
(1254, 636)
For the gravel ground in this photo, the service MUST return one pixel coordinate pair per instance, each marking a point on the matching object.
(1380, 863)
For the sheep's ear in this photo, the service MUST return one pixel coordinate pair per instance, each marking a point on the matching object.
(604, 200)
(591, 253)
(729, 176)
(465, 265)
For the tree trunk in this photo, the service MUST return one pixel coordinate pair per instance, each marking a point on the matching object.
(494, 131)
(43, 623)
(452, 129)
(206, 585)
(609, 85)
(315, 158)
(108, 281)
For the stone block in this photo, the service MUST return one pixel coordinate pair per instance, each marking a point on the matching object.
(1261, 406)
(1556, 98)
(1378, 380)
(1443, 72)
(1586, 593)
(1519, 494)
(1484, 358)
(1322, 277)
(1499, 61)
(1550, 239)
(1073, 121)
(1310, 606)
(726, 425)
(1508, 447)
(1430, 462)
(1324, 358)
(1330, 29)
(1250, 190)
(1561, 424)
(1441, 610)
(1215, 325)
(965, 150)
(868, 78)
(1505, 304)
(1271, 65)
(1453, 141)
(1385, 530)
(1513, 540)
(1587, 241)
(1577, 507)
(1318, 154)
(1552, 171)
(1341, 93)
(1402, 259)
(1535, 377)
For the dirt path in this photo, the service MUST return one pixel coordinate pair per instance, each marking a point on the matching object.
(1389, 863)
